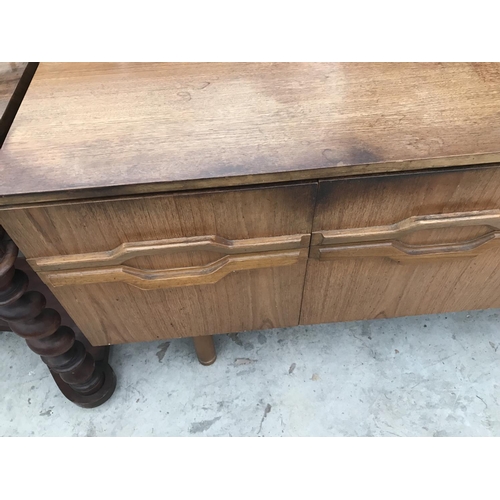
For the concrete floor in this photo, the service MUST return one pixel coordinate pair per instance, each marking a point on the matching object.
(420, 376)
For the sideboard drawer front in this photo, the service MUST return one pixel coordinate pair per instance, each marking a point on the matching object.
(256, 299)
(404, 245)
(63, 229)
(178, 265)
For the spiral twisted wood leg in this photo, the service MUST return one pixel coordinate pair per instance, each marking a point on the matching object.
(82, 380)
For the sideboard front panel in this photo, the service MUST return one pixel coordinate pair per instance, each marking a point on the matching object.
(178, 265)
(401, 245)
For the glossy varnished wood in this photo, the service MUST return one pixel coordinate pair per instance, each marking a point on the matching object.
(135, 128)
(82, 380)
(262, 290)
(36, 284)
(404, 245)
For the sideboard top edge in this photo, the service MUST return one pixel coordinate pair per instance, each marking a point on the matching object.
(245, 182)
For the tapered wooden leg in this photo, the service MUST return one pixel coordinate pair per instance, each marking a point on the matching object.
(205, 349)
(81, 379)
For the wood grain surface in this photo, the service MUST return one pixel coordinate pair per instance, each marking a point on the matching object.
(66, 229)
(87, 130)
(173, 278)
(260, 290)
(436, 248)
(128, 251)
(416, 223)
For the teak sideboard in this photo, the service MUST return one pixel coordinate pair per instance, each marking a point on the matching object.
(184, 200)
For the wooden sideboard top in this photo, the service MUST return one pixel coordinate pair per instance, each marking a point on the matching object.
(99, 129)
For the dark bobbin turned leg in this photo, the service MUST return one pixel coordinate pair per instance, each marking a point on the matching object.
(82, 380)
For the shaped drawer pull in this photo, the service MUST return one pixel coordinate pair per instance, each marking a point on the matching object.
(170, 278)
(107, 267)
(130, 250)
(385, 241)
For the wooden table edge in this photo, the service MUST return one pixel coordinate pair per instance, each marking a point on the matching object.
(80, 194)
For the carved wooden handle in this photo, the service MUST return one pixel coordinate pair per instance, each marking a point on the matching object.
(169, 278)
(489, 218)
(398, 251)
(383, 241)
(127, 251)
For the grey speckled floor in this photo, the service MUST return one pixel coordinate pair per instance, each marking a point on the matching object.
(421, 376)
